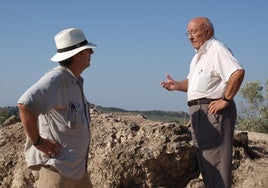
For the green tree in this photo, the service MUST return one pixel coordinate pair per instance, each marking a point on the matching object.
(3, 116)
(254, 108)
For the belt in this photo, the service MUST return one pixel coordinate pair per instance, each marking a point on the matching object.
(200, 101)
(50, 167)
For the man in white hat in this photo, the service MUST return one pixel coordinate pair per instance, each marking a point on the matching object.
(55, 116)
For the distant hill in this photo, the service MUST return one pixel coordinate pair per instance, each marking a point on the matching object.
(155, 115)
(8, 109)
(6, 112)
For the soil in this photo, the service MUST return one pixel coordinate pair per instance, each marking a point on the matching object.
(112, 134)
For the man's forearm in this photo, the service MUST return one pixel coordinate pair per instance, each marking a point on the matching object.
(29, 123)
(234, 83)
(182, 85)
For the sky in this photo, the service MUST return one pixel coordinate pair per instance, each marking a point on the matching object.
(138, 43)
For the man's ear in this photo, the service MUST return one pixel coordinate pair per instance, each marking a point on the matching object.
(208, 32)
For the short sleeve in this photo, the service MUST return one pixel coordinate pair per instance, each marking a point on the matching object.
(44, 94)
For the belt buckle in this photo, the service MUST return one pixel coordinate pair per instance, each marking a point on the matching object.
(199, 102)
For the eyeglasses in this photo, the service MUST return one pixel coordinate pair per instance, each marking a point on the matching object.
(193, 33)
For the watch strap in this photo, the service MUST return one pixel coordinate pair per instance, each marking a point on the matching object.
(38, 141)
(227, 100)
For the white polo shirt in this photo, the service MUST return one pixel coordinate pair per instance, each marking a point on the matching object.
(63, 115)
(210, 70)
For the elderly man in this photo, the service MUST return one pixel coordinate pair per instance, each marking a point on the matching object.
(55, 116)
(214, 78)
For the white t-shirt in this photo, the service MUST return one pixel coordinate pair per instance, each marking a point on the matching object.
(210, 70)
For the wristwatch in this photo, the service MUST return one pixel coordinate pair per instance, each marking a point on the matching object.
(38, 141)
(227, 100)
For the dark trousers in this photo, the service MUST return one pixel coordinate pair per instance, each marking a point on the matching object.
(213, 137)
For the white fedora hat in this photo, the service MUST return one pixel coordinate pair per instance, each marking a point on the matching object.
(70, 42)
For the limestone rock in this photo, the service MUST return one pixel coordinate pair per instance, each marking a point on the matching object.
(131, 151)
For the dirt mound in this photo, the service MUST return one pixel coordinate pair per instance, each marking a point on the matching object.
(132, 151)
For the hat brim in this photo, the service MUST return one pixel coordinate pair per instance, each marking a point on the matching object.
(60, 56)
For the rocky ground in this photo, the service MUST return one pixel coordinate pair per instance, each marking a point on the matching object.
(130, 151)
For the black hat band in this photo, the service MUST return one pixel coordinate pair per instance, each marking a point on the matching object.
(72, 47)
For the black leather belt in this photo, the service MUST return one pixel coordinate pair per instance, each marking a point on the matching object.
(200, 101)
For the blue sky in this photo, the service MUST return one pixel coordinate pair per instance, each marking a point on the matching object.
(138, 42)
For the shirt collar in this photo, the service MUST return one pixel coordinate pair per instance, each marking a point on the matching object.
(75, 79)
